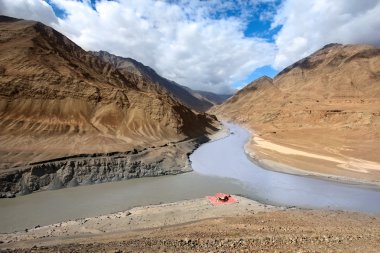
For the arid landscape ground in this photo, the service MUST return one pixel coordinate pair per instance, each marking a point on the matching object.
(71, 117)
(198, 226)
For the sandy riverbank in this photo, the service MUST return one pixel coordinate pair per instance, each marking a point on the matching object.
(135, 219)
(292, 159)
(198, 226)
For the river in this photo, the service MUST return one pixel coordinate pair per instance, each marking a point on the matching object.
(219, 166)
(226, 158)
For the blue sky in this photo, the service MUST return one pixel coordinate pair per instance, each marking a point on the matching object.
(260, 26)
(60, 13)
(257, 73)
(211, 45)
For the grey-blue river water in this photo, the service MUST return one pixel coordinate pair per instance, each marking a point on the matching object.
(226, 158)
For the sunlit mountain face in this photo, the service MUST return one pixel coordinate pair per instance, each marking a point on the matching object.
(322, 108)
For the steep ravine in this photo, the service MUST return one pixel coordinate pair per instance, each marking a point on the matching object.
(168, 159)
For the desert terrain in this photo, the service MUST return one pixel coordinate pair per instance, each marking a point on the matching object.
(67, 117)
(198, 226)
(320, 115)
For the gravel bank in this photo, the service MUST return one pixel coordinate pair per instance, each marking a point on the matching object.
(198, 226)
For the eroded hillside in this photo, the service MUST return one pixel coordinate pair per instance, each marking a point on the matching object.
(200, 101)
(57, 100)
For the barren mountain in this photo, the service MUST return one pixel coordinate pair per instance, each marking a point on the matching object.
(197, 100)
(57, 100)
(321, 114)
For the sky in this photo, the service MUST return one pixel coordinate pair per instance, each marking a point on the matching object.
(212, 45)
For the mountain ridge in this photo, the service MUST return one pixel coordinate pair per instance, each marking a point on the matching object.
(59, 101)
(60, 70)
(197, 100)
(326, 104)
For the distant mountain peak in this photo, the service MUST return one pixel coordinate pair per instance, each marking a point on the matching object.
(260, 83)
(8, 19)
(197, 100)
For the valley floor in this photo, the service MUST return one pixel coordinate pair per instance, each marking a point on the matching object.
(198, 226)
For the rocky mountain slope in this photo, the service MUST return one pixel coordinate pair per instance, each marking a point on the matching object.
(197, 100)
(57, 101)
(321, 114)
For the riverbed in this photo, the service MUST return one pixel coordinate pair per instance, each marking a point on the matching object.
(219, 166)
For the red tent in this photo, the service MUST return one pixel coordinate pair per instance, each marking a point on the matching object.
(222, 199)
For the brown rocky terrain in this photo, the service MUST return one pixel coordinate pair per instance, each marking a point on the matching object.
(198, 226)
(58, 101)
(320, 115)
(197, 100)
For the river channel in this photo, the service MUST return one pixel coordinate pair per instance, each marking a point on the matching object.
(226, 158)
(219, 166)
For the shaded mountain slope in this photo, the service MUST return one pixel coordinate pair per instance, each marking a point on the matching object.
(327, 104)
(197, 100)
(57, 100)
(214, 98)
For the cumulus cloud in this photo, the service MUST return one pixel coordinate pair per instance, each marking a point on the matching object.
(38, 10)
(191, 42)
(201, 44)
(195, 43)
(309, 25)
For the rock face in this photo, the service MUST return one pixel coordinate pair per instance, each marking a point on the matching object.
(169, 159)
(57, 100)
(327, 104)
(197, 100)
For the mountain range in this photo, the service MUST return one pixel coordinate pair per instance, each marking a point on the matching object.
(69, 117)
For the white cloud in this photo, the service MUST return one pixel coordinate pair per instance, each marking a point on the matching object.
(180, 41)
(198, 43)
(37, 10)
(194, 43)
(309, 25)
